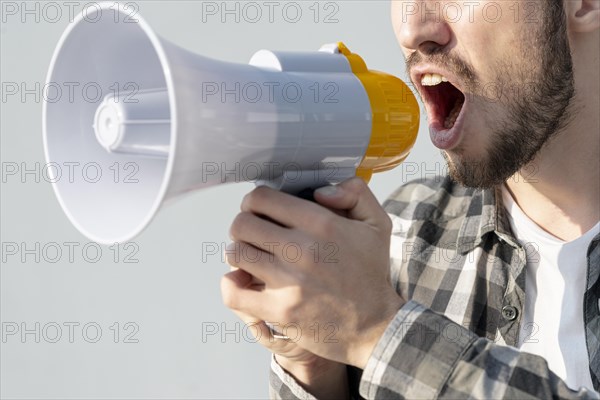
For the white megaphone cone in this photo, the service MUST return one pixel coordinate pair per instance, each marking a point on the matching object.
(154, 121)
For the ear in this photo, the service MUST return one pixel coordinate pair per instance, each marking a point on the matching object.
(583, 15)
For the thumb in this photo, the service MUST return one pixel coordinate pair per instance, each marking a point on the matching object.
(354, 196)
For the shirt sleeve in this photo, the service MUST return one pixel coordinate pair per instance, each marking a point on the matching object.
(283, 386)
(423, 354)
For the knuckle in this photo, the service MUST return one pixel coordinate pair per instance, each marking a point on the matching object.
(232, 257)
(326, 225)
(291, 308)
(302, 281)
(237, 226)
(286, 317)
(289, 313)
(357, 185)
(227, 294)
(254, 198)
(387, 224)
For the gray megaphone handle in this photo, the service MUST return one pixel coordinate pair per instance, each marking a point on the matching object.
(302, 183)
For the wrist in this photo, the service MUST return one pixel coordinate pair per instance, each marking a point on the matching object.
(306, 369)
(371, 336)
(321, 377)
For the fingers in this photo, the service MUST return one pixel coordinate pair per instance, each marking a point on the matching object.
(237, 294)
(257, 231)
(255, 284)
(253, 260)
(285, 209)
(258, 328)
(354, 196)
(255, 242)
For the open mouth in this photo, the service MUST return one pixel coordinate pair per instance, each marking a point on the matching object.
(444, 100)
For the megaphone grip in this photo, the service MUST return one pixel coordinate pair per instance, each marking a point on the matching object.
(307, 194)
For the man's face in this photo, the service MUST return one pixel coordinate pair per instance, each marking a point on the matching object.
(509, 73)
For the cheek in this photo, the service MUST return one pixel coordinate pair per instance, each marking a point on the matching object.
(486, 117)
(476, 132)
(487, 34)
(398, 19)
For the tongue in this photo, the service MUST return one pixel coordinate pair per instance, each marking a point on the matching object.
(451, 118)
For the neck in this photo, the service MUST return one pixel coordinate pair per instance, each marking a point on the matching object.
(560, 189)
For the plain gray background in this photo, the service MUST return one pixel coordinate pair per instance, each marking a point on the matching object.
(172, 294)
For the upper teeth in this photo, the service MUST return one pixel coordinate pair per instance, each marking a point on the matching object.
(432, 79)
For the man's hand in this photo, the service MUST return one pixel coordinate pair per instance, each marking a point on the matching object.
(326, 276)
(323, 378)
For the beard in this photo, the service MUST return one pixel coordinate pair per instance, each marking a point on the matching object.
(535, 112)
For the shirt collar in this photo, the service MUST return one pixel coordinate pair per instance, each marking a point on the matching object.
(593, 257)
(485, 214)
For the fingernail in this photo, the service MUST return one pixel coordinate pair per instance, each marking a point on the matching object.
(328, 191)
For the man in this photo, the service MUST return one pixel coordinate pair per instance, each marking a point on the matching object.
(493, 290)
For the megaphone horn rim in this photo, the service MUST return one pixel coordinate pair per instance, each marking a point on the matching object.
(166, 68)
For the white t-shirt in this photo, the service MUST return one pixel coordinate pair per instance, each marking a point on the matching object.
(556, 274)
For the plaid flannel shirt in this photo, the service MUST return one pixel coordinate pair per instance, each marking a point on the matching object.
(456, 262)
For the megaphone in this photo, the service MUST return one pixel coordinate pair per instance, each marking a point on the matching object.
(173, 121)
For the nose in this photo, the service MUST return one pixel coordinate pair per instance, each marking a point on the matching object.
(420, 26)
